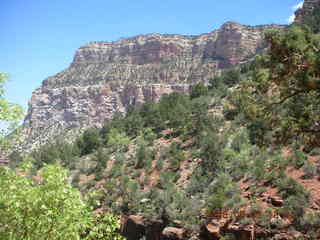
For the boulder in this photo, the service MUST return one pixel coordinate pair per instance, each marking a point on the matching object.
(210, 232)
(172, 233)
(133, 228)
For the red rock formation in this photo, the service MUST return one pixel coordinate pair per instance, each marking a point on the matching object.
(105, 78)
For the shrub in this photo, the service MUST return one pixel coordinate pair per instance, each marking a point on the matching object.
(230, 113)
(198, 90)
(51, 209)
(101, 158)
(295, 205)
(104, 227)
(88, 141)
(309, 169)
(159, 165)
(150, 113)
(229, 78)
(176, 156)
(148, 135)
(309, 222)
(315, 151)
(289, 187)
(144, 156)
(118, 140)
(221, 192)
(133, 122)
(298, 158)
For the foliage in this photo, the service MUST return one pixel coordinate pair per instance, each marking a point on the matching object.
(281, 92)
(175, 156)
(298, 158)
(101, 158)
(89, 141)
(198, 90)
(174, 109)
(222, 191)
(104, 227)
(60, 151)
(133, 122)
(118, 140)
(228, 78)
(144, 156)
(10, 115)
(309, 170)
(296, 197)
(49, 209)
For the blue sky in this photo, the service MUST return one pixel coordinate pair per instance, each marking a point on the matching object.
(40, 37)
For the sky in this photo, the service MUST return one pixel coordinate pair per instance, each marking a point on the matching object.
(40, 37)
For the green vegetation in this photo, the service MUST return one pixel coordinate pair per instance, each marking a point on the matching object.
(48, 207)
(43, 204)
(192, 157)
(10, 114)
(281, 93)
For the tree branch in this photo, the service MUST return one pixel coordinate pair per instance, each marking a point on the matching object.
(290, 96)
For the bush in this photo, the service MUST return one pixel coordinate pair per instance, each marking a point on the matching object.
(295, 205)
(104, 227)
(289, 188)
(51, 209)
(229, 78)
(144, 156)
(309, 222)
(198, 90)
(221, 192)
(118, 140)
(309, 169)
(88, 141)
(298, 158)
(176, 156)
(101, 158)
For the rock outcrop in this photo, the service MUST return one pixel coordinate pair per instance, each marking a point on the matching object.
(137, 227)
(107, 77)
(306, 10)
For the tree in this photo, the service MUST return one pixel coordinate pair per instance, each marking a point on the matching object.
(150, 113)
(174, 109)
(282, 92)
(47, 209)
(45, 206)
(89, 141)
(10, 114)
(228, 77)
(118, 140)
(198, 90)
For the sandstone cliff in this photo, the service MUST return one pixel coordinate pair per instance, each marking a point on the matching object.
(107, 77)
(306, 10)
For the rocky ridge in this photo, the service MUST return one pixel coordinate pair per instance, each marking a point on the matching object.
(306, 10)
(107, 77)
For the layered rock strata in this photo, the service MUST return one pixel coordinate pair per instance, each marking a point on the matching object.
(107, 77)
(306, 10)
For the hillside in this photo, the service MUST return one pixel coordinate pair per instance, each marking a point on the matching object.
(189, 137)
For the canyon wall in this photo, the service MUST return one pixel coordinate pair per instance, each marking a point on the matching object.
(107, 77)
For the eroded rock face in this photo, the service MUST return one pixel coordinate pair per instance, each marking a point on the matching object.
(306, 10)
(137, 227)
(107, 77)
(55, 111)
(133, 228)
(172, 233)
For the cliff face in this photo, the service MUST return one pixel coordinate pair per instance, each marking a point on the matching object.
(107, 77)
(306, 10)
